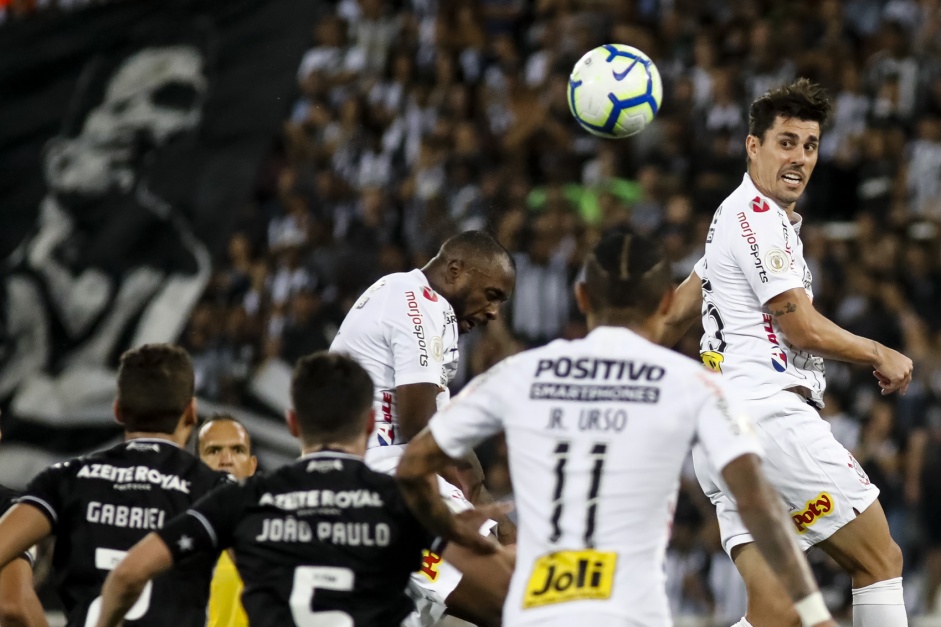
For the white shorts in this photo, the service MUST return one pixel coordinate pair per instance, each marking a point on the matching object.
(430, 586)
(820, 481)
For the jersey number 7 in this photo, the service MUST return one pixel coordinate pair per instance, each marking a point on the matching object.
(306, 581)
(598, 452)
(108, 559)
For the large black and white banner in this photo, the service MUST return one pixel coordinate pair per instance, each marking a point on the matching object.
(130, 135)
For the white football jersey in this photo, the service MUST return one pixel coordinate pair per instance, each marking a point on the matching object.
(753, 253)
(597, 431)
(402, 332)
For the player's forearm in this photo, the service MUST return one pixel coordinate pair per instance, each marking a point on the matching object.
(506, 529)
(685, 310)
(814, 333)
(118, 595)
(19, 605)
(422, 496)
(767, 523)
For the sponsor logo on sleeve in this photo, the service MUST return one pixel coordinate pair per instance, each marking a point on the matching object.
(816, 508)
(430, 564)
(429, 294)
(777, 261)
(414, 314)
(758, 205)
(778, 356)
(437, 348)
(749, 235)
(713, 360)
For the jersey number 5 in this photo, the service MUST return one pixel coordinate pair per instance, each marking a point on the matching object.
(598, 452)
(306, 581)
(108, 559)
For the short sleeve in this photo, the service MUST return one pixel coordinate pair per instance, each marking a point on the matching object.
(700, 267)
(722, 428)
(208, 525)
(45, 492)
(415, 325)
(762, 244)
(474, 415)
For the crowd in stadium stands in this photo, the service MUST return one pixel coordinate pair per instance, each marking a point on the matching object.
(420, 118)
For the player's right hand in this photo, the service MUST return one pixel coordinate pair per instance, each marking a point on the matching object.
(466, 528)
(893, 370)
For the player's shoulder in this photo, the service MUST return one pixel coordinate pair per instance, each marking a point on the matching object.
(746, 206)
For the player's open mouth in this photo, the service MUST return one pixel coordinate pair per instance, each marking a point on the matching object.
(792, 179)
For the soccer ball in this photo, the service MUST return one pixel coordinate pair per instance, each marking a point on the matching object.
(615, 91)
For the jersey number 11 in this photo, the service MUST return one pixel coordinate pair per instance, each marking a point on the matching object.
(598, 452)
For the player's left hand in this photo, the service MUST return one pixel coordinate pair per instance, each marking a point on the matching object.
(465, 530)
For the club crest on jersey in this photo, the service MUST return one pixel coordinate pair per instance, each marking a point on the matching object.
(758, 205)
(816, 508)
(430, 294)
(855, 465)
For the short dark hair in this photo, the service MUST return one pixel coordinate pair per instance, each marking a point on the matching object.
(331, 394)
(801, 100)
(478, 245)
(627, 271)
(222, 417)
(155, 384)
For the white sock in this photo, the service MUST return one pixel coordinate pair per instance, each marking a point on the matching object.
(742, 623)
(880, 605)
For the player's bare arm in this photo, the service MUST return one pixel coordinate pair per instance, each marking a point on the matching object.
(423, 459)
(417, 403)
(763, 514)
(808, 330)
(124, 584)
(21, 528)
(686, 309)
(19, 605)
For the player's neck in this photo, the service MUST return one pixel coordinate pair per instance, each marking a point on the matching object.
(359, 450)
(644, 328)
(434, 274)
(173, 438)
(788, 209)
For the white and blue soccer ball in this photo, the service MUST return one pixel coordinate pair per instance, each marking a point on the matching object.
(615, 91)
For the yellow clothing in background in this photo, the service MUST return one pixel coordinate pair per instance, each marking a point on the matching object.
(225, 594)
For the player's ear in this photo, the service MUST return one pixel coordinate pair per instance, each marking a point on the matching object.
(290, 417)
(454, 270)
(118, 415)
(370, 421)
(254, 463)
(751, 146)
(190, 415)
(581, 297)
(666, 302)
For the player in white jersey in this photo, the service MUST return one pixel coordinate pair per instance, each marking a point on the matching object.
(404, 331)
(597, 432)
(753, 290)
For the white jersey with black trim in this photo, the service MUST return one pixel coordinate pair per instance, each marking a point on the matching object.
(597, 431)
(402, 332)
(753, 253)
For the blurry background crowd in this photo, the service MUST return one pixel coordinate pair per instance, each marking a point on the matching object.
(415, 119)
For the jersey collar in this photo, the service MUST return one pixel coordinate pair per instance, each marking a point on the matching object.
(322, 454)
(746, 179)
(155, 441)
